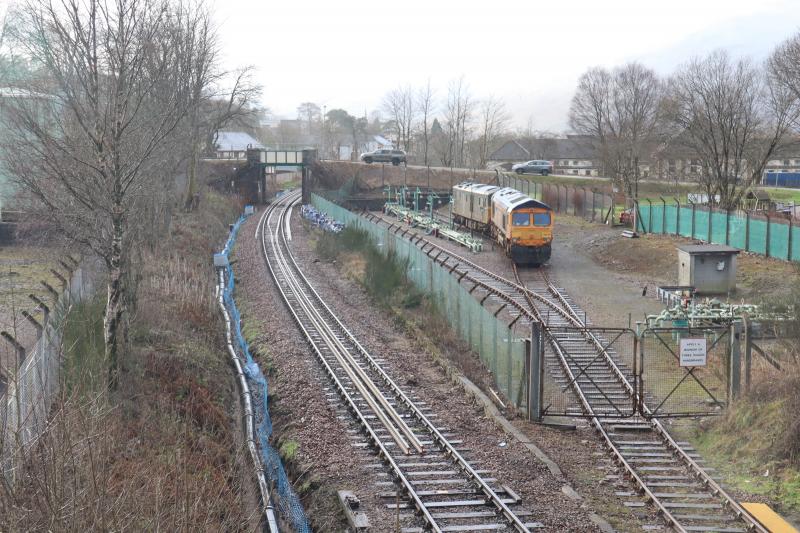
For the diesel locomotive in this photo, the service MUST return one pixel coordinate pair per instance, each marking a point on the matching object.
(521, 225)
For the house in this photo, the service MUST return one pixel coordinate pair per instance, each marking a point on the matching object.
(234, 144)
(574, 155)
(372, 143)
(758, 200)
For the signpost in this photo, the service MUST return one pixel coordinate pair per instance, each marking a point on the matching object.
(693, 352)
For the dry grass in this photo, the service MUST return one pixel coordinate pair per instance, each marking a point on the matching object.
(161, 452)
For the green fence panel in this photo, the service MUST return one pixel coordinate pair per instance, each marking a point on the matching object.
(671, 222)
(657, 219)
(487, 340)
(758, 236)
(517, 395)
(795, 234)
(779, 240)
(701, 224)
(737, 236)
(683, 221)
(718, 227)
(497, 346)
(643, 221)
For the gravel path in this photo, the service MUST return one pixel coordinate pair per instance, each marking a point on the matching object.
(302, 413)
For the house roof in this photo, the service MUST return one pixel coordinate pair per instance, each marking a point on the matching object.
(573, 147)
(708, 249)
(758, 194)
(383, 141)
(236, 141)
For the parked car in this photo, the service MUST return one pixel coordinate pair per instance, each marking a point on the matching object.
(536, 166)
(384, 155)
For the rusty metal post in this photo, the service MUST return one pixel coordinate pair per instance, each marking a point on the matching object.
(735, 359)
(766, 243)
(747, 331)
(747, 231)
(727, 227)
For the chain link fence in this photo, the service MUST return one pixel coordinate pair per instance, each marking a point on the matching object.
(496, 332)
(32, 387)
(685, 372)
(588, 203)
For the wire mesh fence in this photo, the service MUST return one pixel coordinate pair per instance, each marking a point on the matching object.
(32, 387)
(685, 372)
(588, 203)
(619, 372)
(495, 332)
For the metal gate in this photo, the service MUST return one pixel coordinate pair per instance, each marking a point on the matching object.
(685, 372)
(585, 371)
(615, 373)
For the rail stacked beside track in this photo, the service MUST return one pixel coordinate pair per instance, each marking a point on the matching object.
(666, 472)
(445, 489)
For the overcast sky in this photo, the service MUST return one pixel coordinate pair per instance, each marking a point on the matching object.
(348, 54)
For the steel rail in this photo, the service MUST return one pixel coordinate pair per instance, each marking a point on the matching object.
(443, 443)
(570, 315)
(383, 451)
(374, 398)
(696, 469)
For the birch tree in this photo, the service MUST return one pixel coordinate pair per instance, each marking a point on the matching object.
(89, 141)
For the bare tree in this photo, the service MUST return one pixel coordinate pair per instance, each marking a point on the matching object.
(493, 121)
(458, 114)
(784, 72)
(733, 117)
(400, 105)
(425, 106)
(310, 114)
(620, 110)
(89, 143)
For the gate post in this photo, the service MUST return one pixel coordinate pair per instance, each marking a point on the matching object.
(747, 331)
(535, 373)
(638, 370)
(735, 362)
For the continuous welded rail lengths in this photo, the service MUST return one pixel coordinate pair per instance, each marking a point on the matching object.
(327, 335)
(506, 290)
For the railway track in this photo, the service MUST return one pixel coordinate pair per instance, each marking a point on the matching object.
(665, 472)
(446, 491)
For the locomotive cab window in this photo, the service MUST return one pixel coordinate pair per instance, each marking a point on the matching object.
(541, 219)
(520, 219)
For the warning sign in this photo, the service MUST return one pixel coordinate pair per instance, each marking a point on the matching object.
(693, 352)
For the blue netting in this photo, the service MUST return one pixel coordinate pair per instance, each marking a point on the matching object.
(284, 498)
